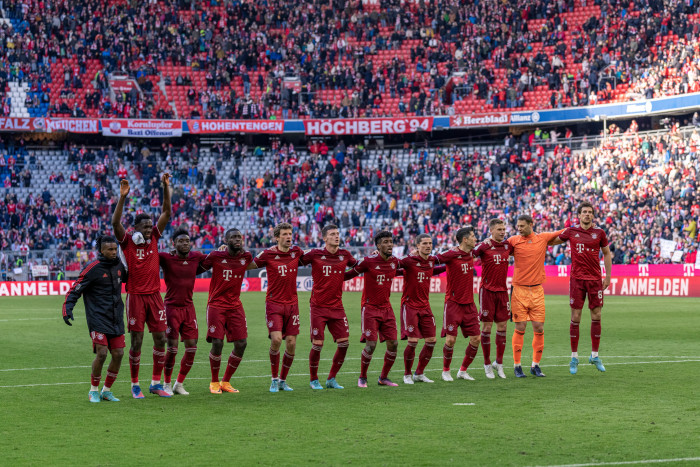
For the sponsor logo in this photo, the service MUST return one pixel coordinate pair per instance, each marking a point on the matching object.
(480, 120)
(530, 117)
(227, 274)
(639, 108)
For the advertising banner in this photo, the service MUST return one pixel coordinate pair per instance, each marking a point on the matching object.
(367, 126)
(22, 124)
(235, 126)
(73, 125)
(141, 128)
(490, 119)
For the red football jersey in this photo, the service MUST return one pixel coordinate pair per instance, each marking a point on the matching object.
(378, 276)
(494, 264)
(328, 272)
(179, 274)
(417, 273)
(460, 275)
(281, 270)
(143, 263)
(227, 276)
(585, 251)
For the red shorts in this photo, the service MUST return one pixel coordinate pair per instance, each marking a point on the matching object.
(227, 322)
(378, 324)
(112, 341)
(578, 289)
(334, 318)
(145, 309)
(417, 322)
(282, 318)
(457, 315)
(495, 306)
(182, 321)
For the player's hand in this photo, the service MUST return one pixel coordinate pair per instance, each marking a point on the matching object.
(124, 188)
(165, 179)
(606, 282)
(413, 252)
(487, 242)
(222, 248)
(68, 318)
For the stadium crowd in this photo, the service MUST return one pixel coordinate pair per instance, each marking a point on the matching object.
(369, 56)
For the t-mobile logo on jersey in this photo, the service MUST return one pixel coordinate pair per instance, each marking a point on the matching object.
(282, 270)
(227, 274)
(496, 259)
(465, 268)
(326, 270)
(421, 276)
(139, 253)
(380, 279)
(580, 247)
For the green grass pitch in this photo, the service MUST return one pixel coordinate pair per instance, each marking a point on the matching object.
(644, 407)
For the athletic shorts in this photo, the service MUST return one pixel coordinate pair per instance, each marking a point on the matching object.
(334, 318)
(226, 322)
(578, 289)
(182, 321)
(418, 323)
(495, 306)
(282, 318)
(112, 341)
(527, 304)
(142, 309)
(378, 324)
(456, 316)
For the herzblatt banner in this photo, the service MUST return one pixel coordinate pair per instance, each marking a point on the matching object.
(490, 119)
(141, 128)
(22, 124)
(235, 126)
(367, 126)
(73, 125)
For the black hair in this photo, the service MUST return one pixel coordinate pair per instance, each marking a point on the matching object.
(142, 217)
(585, 204)
(231, 231)
(328, 228)
(464, 232)
(179, 231)
(380, 235)
(421, 237)
(105, 239)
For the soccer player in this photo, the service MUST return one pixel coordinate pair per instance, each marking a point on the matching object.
(100, 284)
(180, 271)
(378, 320)
(493, 295)
(328, 267)
(144, 305)
(586, 242)
(527, 300)
(460, 311)
(417, 320)
(225, 314)
(281, 303)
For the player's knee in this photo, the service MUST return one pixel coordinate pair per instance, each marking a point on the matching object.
(159, 339)
(450, 341)
(391, 346)
(475, 340)
(370, 346)
(101, 353)
(430, 340)
(275, 342)
(216, 346)
(596, 314)
(191, 343)
(117, 354)
(239, 347)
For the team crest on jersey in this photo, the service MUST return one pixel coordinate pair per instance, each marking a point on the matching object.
(410, 329)
(167, 330)
(212, 329)
(242, 261)
(340, 257)
(99, 336)
(571, 301)
(594, 236)
(315, 332)
(270, 324)
(132, 321)
(393, 266)
(450, 327)
(484, 314)
(368, 333)
(430, 263)
(293, 255)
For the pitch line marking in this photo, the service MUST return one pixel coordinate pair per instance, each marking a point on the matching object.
(29, 319)
(647, 461)
(464, 403)
(342, 373)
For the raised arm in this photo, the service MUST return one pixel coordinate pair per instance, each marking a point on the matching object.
(555, 238)
(167, 209)
(607, 260)
(117, 226)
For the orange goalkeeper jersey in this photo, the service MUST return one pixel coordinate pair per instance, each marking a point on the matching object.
(529, 253)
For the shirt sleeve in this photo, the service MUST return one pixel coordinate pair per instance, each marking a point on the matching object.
(444, 257)
(604, 240)
(478, 251)
(360, 267)
(565, 235)
(552, 235)
(78, 287)
(207, 262)
(307, 257)
(352, 261)
(261, 260)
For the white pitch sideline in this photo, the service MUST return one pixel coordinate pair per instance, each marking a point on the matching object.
(637, 462)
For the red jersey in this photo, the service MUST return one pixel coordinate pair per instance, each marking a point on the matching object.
(328, 273)
(585, 251)
(494, 264)
(281, 270)
(143, 263)
(179, 274)
(227, 276)
(417, 273)
(379, 274)
(460, 275)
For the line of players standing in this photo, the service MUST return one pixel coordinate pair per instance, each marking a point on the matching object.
(331, 266)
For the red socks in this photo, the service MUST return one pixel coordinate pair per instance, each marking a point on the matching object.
(447, 357)
(339, 358)
(595, 335)
(233, 362)
(158, 363)
(500, 346)
(286, 365)
(95, 380)
(109, 380)
(215, 364)
(314, 357)
(424, 358)
(469, 355)
(187, 362)
(408, 355)
(389, 359)
(573, 333)
(364, 363)
(486, 346)
(134, 363)
(275, 363)
(170, 355)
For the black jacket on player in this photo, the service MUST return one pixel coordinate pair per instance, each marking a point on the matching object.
(100, 284)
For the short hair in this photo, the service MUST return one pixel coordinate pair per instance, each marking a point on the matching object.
(494, 222)
(179, 231)
(328, 228)
(585, 204)
(526, 218)
(230, 232)
(280, 227)
(464, 232)
(380, 235)
(422, 237)
(101, 240)
(142, 217)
